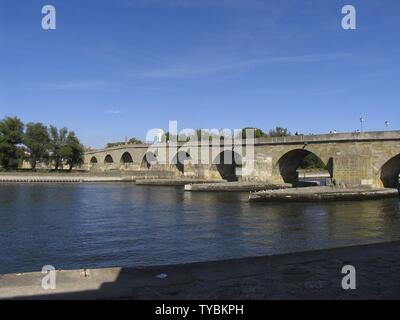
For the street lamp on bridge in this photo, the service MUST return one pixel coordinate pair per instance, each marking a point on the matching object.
(362, 123)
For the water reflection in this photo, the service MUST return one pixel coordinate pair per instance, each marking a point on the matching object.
(99, 225)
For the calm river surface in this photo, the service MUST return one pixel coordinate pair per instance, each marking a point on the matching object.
(72, 226)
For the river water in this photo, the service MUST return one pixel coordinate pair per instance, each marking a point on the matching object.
(73, 226)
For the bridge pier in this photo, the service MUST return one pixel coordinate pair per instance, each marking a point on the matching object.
(354, 170)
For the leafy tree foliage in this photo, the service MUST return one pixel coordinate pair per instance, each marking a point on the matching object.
(37, 144)
(11, 136)
(65, 147)
(37, 141)
(258, 133)
(311, 161)
(58, 140)
(135, 141)
(279, 132)
(121, 143)
(72, 152)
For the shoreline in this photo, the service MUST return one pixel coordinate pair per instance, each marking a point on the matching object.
(173, 182)
(300, 275)
(259, 192)
(53, 178)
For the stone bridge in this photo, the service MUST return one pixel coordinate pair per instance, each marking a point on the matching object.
(368, 158)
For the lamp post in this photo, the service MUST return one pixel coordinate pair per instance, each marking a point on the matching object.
(362, 123)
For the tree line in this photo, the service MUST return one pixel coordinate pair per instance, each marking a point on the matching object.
(121, 143)
(35, 142)
(259, 133)
(199, 134)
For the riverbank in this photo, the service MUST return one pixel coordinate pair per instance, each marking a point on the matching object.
(301, 275)
(316, 194)
(173, 182)
(61, 179)
(76, 176)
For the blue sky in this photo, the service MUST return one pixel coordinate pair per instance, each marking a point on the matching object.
(119, 68)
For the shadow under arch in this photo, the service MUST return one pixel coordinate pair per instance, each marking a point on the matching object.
(227, 162)
(292, 160)
(126, 158)
(179, 160)
(93, 163)
(390, 172)
(108, 159)
(149, 160)
(93, 160)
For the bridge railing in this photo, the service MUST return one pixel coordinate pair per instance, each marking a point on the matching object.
(353, 136)
(318, 138)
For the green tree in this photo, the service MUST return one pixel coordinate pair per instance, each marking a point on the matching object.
(279, 132)
(311, 161)
(58, 141)
(65, 148)
(37, 140)
(121, 143)
(135, 141)
(114, 144)
(11, 136)
(72, 151)
(258, 133)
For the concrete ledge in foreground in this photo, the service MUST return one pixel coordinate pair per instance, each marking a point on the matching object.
(302, 275)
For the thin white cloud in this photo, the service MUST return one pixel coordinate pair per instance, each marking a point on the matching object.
(198, 70)
(112, 111)
(82, 85)
(195, 3)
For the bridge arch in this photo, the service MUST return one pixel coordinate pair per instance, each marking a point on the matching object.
(93, 163)
(93, 160)
(390, 173)
(148, 160)
(179, 160)
(108, 159)
(126, 158)
(227, 163)
(290, 162)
